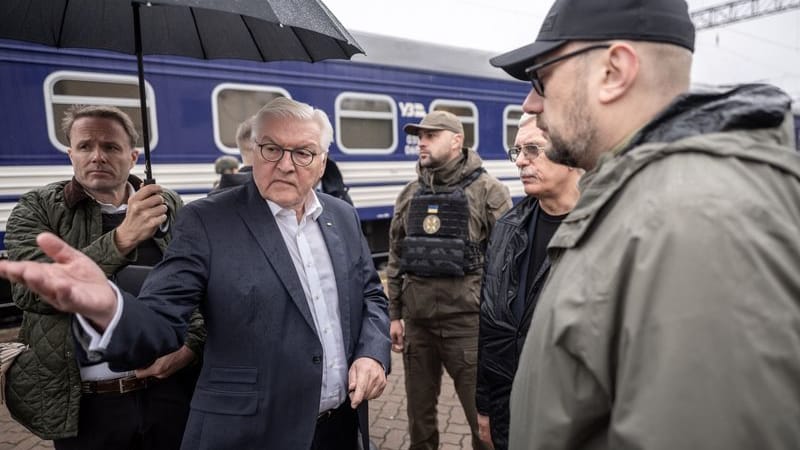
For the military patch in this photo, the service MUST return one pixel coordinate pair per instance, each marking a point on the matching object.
(431, 224)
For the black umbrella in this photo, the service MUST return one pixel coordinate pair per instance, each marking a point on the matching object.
(261, 30)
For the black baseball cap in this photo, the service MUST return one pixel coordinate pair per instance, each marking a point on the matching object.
(664, 21)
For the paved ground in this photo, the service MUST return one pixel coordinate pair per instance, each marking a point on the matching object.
(388, 422)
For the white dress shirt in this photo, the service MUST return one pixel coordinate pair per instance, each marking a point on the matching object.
(315, 270)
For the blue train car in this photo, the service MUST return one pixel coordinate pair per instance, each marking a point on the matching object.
(194, 107)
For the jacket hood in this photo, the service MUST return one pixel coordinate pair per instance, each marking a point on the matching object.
(751, 122)
(718, 109)
(451, 172)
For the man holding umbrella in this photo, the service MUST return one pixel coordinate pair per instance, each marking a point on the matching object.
(106, 213)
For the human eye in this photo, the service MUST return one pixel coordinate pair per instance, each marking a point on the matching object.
(532, 149)
(304, 155)
(271, 149)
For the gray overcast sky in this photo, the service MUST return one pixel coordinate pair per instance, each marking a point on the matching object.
(765, 49)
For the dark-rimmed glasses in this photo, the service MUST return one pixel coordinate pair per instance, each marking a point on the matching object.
(532, 71)
(272, 152)
(531, 151)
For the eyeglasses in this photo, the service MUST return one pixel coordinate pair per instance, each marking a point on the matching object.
(531, 151)
(273, 153)
(532, 71)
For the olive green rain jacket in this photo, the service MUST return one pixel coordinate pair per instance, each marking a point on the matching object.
(671, 318)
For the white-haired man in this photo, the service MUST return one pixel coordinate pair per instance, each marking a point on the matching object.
(298, 330)
(516, 269)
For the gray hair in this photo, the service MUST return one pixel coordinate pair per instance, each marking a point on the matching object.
(288, 108)
(244, 134)
(76, 112)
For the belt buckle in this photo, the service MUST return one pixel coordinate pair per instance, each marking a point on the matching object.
(129, 387)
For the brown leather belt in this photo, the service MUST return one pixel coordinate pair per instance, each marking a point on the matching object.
(116, 386)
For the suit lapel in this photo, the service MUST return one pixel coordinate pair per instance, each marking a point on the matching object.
(335, 244)
(258, 218)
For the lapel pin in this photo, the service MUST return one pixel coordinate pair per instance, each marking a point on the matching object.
(328, 224)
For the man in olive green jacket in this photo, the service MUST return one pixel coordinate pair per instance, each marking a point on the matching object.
(671, 318)
(112, 218)
(438, 236)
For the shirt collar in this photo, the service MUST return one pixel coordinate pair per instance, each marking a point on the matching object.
(108, 208)
(312, 207)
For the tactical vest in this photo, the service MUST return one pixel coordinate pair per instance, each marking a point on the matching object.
(437, 236)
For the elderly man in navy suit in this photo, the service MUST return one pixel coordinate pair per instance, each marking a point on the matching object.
(298, 331)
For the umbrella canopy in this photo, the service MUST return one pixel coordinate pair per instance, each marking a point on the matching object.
(261, 30)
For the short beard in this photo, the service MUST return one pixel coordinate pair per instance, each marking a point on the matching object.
(577, 153)
(574, 151)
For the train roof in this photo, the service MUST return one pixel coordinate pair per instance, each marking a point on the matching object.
(419, 55)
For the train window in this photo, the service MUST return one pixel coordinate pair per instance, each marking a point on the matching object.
(232, 103)
(366, 123)
(511, 116)
(467, 112)
(66, 88)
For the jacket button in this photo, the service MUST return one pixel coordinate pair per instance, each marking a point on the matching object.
(316, 359)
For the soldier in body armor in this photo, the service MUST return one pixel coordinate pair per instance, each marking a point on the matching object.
(441, 225)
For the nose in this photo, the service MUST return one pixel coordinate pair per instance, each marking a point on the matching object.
(521, 161)
(98, 155)
(285, 164)
(533, 104)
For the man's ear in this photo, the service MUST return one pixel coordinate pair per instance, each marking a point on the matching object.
(134, 156)
(458, 141)
(621, 67)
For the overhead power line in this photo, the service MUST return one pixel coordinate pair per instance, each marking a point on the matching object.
(737, 11)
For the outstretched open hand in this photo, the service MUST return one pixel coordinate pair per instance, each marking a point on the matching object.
(71, 283)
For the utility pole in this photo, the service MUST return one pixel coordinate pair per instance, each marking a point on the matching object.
(737, 11)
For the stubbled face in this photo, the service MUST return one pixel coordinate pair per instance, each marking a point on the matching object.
(102, 157)
(282, 181)
(541, 177)
(563, 114)
(437, 147)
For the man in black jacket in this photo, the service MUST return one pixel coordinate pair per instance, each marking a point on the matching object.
(516, 268)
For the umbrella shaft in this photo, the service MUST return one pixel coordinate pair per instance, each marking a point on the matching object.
(148, 172)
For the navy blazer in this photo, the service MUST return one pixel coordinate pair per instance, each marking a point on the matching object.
(260, 383)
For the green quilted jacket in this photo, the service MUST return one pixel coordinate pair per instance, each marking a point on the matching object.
(44, 384)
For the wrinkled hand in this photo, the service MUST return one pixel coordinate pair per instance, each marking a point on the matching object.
(147, 210)
(485, 430)
(168, 364)
(397, 331)
(367, 380)
(72, 283)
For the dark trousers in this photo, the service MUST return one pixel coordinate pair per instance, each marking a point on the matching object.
(425, 355)
(148, 419)
(338, 430)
